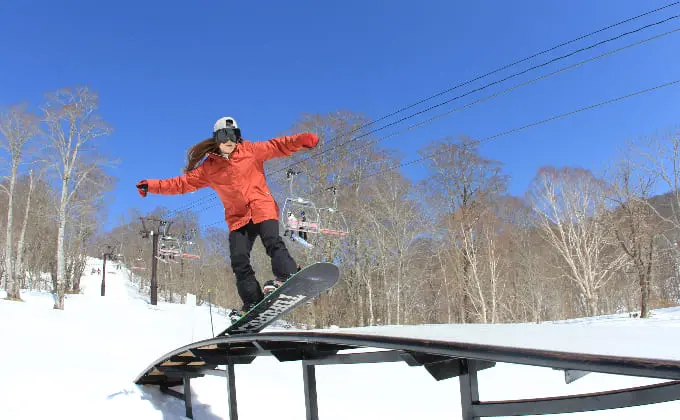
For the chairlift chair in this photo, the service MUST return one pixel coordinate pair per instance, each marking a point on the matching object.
(138, 264)
(333, 222)
(188, 252)
(297, 213)
(168, 249)
(169, 245)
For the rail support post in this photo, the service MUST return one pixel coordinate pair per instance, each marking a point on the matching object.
(187, 397)
(469, 391)
(311, 403)
(231, 385)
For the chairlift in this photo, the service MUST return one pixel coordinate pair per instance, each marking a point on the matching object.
(333, 222)
(298, 214)
(169, 246)
(188, 252)
(138, 263)
(166, 258)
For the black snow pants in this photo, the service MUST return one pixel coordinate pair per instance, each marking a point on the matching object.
(241, 243)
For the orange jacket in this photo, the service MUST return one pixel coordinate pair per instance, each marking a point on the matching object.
(238, 180)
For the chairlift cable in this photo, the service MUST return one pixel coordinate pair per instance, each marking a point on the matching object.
(430, 108)
(524, 71)
(537, 123)
(484, 99)
(504, 67)
(587, 35)
(524, 127)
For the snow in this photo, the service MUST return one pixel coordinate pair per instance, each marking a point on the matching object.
(80, 363)
(646, 338)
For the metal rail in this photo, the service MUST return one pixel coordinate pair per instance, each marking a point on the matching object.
(441, 359)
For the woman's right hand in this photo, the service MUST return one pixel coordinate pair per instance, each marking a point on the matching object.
(142, 188)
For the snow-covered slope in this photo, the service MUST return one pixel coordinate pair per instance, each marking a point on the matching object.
(80, 363)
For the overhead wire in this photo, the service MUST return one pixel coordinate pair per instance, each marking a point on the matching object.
(312, 156)
(511, 131)
(524, 127)
(499, 69)
(205, 200)
(213, 223)
(512, 88)
(443, 92)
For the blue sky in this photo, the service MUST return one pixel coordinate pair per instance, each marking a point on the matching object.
(165, 71)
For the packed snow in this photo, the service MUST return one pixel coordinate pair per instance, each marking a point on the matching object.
(80, 363)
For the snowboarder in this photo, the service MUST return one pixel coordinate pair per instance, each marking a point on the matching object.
(233, 167)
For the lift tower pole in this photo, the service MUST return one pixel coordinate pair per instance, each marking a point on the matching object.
(155, 235)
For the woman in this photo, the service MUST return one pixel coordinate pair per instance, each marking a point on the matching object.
(234, 168)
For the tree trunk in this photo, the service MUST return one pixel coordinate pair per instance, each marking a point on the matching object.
(399, 290)
(360, 310)
(53, 276)
(644, 276)
(78, 269)
(371, 304)
(493, 275)
(644, 297)
(467, 303)
(386, 291)
(591, 303)
(11, 284)
(21, 244)
(362, 276)
(447, 288)
(61, 263)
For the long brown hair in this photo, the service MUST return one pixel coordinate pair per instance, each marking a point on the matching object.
(198, 151)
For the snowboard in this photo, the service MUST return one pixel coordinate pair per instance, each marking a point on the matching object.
(301, 287)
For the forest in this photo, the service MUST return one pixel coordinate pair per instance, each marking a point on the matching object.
(455, 247)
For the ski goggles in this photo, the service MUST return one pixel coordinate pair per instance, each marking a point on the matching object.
(224, 135)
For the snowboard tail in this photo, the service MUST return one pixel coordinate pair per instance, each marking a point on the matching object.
(301, 287)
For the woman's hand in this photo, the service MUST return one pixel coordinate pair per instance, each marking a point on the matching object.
(142, 188)
(309, 140)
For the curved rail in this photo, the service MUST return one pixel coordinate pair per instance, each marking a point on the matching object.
(442, 359)
(265, 344)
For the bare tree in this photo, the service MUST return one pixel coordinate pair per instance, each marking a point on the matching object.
(17, 126)
(461, 185)
(571, 204)
(330, 178)
(21, 243)
(36, 234)
(532, 283)
(396, 221)
(661, 160)
(633, 222)
(72, 123)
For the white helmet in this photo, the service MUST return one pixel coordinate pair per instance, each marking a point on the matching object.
(225, 122)
(226, 129)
